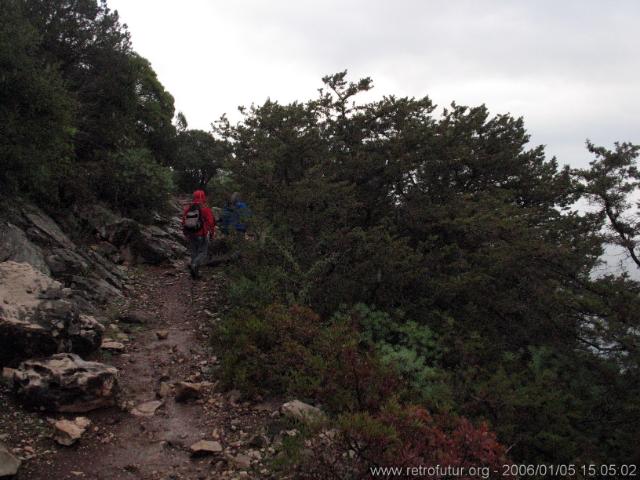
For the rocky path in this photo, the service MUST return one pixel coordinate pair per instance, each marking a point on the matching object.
(150, 436)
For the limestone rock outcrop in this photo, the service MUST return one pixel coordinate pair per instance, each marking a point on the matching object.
(38, 317)
(66, 383)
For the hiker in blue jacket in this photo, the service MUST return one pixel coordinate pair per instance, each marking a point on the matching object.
(235, 215)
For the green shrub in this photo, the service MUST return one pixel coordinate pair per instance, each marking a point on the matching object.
(412, 349)
(266, 350)
(133, 182)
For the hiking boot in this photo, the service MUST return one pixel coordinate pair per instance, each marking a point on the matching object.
(195, 272)
(192, 271)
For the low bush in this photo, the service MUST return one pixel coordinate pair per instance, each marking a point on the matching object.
(291, 351)
(406, 438)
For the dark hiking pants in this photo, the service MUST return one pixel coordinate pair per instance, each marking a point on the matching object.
(199, 250)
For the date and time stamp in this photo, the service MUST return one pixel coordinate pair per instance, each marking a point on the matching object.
(515, 471)
(570, 471)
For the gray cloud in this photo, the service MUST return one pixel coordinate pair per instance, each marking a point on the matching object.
(570, 68)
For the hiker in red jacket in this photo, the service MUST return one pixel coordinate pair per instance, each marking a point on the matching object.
(198, 225)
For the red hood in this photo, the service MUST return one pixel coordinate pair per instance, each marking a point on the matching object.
(199, 197)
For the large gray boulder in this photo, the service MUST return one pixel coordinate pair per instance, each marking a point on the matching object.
(66, 383)
(37, 317)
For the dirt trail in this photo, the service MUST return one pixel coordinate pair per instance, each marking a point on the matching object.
(121, 445)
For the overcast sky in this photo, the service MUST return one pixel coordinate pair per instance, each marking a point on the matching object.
(570, 68)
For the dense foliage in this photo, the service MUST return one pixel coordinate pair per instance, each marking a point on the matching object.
(35, 110)
(199, 158)
(76, 102)
(401, 256)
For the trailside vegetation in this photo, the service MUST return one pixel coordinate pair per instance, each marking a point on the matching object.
(84, 116)
(415, 273)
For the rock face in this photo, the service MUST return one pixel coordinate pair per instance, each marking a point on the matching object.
(66, 383)
(301, 411)
(37, 317)
(9, 464)
(68, 432)
(14, 245)
(94, 270)
(142, 243)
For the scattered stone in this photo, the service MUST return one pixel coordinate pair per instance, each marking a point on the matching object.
(241, 460)
(66, 383)
(68, 432)
(112, 346)
(164, 390)
(146, 409)
(254, 454)
(9, 464)
(187, 391)
(301, 411)
(205, 447)
(162, 334)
